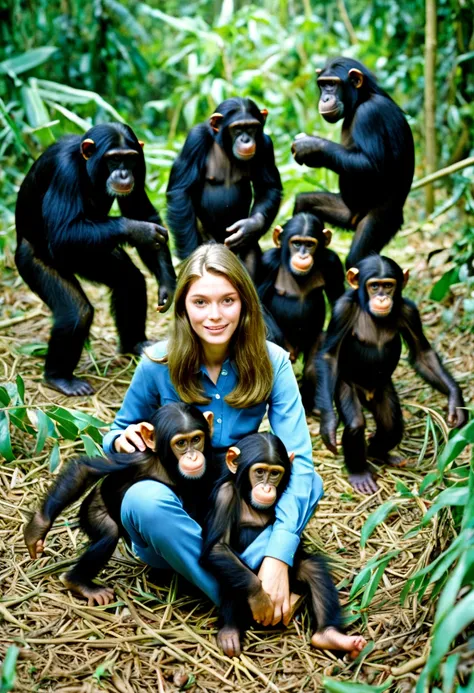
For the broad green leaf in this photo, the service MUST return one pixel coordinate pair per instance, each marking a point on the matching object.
(446, 630)
(33, 349)
(375, 519)
(333, 686)
(43, 429)
(36, 113)
(4, 397)
(7, 681)
(27, 61)
(227, 10)
(91, 448)
(454, 584)
(82, 124)
(361, 579)
(54, 458)
(449, 672)
(56, 92)
(441, 288)
(5, 442)
(451, 496)
(21, 387)
(82, 420)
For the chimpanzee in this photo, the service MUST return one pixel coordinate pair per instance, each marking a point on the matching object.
(360, 353)
(242, 505)
(223, 164)
(297, 271)
(375, 160)
(179, 455)
(63, 230)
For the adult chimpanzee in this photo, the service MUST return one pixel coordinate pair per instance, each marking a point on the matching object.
(375, 160)
(63, 230)
(360, 353)
(242, 505)
(223, 164)
(179, 455)
(297, 271)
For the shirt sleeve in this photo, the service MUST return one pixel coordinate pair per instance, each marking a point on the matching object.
(298, 502)
(141, 401)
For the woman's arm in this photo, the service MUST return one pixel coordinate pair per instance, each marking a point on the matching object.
(141, 401)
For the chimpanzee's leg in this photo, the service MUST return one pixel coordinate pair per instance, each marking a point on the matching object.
(72, 318)
(385, 407)
(252, 261)
(103, 532)
(373, 232)
(329, 206)
(129, 302)
(310, 575)
(353, 439)
(234, 619)
(308, 386)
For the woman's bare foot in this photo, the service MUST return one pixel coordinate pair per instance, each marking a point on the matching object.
(332, 639)
(95, 594)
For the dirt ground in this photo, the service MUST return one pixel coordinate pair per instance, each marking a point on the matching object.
(157, 636)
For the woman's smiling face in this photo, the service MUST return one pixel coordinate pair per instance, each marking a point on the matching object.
(213, 307)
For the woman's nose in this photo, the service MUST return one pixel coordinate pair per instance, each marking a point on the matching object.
(214, 312)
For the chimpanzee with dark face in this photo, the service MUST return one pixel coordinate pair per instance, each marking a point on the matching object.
(297, 272)
(63, 230)
(224, 186)
(179, 455)
(355, 366)
(375, 160)
(242, 506)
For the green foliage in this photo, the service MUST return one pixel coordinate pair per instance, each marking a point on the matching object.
(8, 675)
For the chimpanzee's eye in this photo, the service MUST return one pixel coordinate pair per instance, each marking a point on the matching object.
(196, 440)
(259, 473)
(274, 475)
(375, 286)
(180, 443)
(297, 245)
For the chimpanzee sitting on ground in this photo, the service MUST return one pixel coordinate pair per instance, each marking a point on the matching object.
(224, 185)
(296, 273)
(242, 505)
(179, 455)
(354, 368)
(63, 230)
(375, 160)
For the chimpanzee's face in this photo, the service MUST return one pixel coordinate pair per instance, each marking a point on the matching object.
(264, 480)
(188, 448)
(244, 139)
(121, 164)
(331, 102)
(380, 294)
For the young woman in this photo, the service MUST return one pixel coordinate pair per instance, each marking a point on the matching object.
(217, 358)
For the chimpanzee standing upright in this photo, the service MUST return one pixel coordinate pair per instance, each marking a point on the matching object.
(355, 366)
(296, 273)
(375, 160)
(63, 230)
(224, 185)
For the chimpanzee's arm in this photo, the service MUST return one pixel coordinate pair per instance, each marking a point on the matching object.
(426, 362)
(185, 179)
(267, 187)
(333, 273)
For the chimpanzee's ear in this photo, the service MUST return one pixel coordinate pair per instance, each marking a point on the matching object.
(327, 236)
(291, 457)
(352, 277)
(215, 121)
(231, 456)
(406, 276)
(277, 231)
(356, 77)
(264, 113)
(147, 432)
(87, 148)
(209, 416)
(141, 143)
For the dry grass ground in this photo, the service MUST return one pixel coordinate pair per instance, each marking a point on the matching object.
(156, 636)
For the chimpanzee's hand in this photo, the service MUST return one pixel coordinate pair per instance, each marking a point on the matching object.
(165, 299)
(327, 429)
(145, 232)
(243, 231)
(457, 416)
(306, 148)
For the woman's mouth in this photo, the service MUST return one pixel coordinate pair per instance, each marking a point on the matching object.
(215, 329)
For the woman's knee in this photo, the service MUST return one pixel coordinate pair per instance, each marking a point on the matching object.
(148, 501)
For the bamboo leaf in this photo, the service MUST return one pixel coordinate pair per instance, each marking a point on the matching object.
(5, 442)
(54, 458)
(4, 396)
(375, 519)
(43, 423)
(333, 686)
(91, 448)
(448, 629)
(7, 681)
(27, 61)
(82, 124)
(20, 384)
(451, 496)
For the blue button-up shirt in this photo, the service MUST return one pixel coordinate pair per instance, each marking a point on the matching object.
(151, 387)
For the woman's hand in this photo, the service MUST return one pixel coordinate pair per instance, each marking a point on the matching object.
(131, 439)
(274, 576)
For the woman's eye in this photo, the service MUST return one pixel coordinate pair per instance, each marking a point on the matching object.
(199, 302)
(228, 301)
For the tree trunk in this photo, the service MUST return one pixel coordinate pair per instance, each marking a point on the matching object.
(430, 99)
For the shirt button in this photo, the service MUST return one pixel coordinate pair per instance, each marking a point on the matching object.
(219, 420)
(218, 396)
(223, 372)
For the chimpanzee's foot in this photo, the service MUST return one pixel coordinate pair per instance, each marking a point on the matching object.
(332, 639)
(394, 459)
(364, 483)
(35, 533)
(262, 607)
(72, 387)
(99, 594)
(228, 639)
